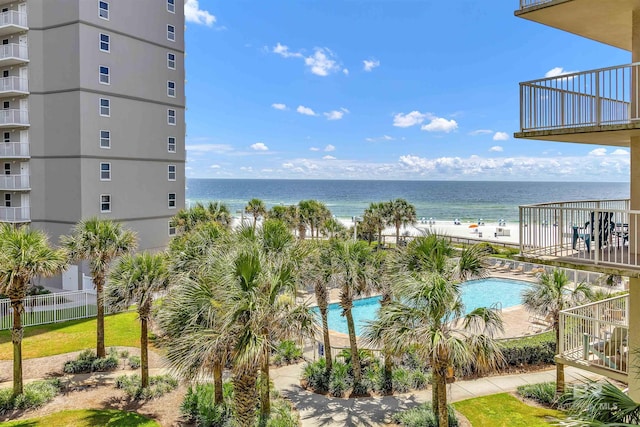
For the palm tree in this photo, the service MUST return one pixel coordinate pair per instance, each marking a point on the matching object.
(188, 219)
(134, 280)
(374, 219)
(219, 212)
(551, 294)
(187, 251)
(399, 213)
(256, 208)
(99, 241)
(306, 215)
(426, 312)
(25, 253)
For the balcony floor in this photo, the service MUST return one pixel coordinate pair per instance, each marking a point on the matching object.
(618, 135)
(12, 60)
(12, 29)
(617, 259)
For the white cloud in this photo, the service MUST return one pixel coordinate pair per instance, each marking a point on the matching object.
(329, 148)
(557, 71)
(438, 124)
(284, 51)
(480, 132)
(620, 152)
(500, 136)
(259, 146)
(287, 165)
(496, 149)
(382, 138)
(209, 148)
(215, 166)
(410, 119)
(305, 110)
(279, 106)
(336, 114)
(345, 71)
(598, 152)
(322, 62)
(370, 64)
(314, 149)
(327, 157)
(193, 13)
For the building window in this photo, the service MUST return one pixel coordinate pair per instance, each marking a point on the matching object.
(5, 73)
(7, 200)
(105, 139)
(171, 117)
(171, 144)
(105, 42)
(172, 172)
(171, 61)
(6, 105)
(7, 168)
(171, 89)
(105, 107)
(6, 136)
(105, 171)
(105, 203)
(172, 229)
(104, 75)
(171, 33)
(172, 200)
(171, 6)
(103, 10)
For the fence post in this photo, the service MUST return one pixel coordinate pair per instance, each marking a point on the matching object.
(598, 106)
(55, 308)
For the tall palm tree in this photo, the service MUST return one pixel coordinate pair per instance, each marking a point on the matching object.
(134, 280)
(187, 251)
(25, 253)
(306, 216)
(426, 312)
(188, 219)
(255, 208)
(99, 241)
(374, 219)
(399, 213)
(552, 293)
(219, 212)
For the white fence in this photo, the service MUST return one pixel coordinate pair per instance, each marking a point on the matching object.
(50, 308)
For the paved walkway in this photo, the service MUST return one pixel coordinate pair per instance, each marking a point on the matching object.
(318, 410)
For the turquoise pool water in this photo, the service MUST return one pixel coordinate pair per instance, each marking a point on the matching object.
(476, 293)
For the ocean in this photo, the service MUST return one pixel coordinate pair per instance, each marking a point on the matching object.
(440, 200)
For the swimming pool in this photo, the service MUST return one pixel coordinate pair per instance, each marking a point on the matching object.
(475, 293)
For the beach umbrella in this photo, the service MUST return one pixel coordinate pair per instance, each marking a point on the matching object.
(473, 226)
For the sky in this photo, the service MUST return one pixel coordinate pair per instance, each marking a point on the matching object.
(378, 89)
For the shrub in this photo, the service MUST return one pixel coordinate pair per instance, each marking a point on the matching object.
(423, 416)
(158, 386)
(544, 393)
(534, 350)
(401, 380)
(373, 376)
(339, 381)
(282, 415)
(315, 374)
(88, 362)
(134, 362)
(35, 395)
(124, 354)
(419, 379)
(198, 406)
(287, 352)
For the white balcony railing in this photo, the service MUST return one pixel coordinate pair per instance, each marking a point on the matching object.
(596, 334)
(14, 149)
(589, 232)
(13, 214)
(14, 182)
(13, 18)
(14, 117)
(531, 3)
(589, 98)
(14, 84)
(13, 50)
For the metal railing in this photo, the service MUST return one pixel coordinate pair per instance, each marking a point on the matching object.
(596, 334)
(14, 117)
(589, 98)
(14, 50)
(15, 214)
(14, 182)
(593, 232)
(14, 84)
(50, 308)
(530, 3)
(13, 17)
(14, 149)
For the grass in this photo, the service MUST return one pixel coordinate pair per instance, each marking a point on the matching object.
(504, 410)
(121, 329)
(87, 418)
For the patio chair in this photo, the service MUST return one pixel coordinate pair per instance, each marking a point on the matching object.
(518, 270)
(498, 264)
(611, 351)
(587, 233)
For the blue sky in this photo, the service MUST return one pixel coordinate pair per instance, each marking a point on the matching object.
(389, 89)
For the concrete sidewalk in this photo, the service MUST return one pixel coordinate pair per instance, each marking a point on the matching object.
(318, 410)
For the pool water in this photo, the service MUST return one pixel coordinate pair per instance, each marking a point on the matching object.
(475, 293)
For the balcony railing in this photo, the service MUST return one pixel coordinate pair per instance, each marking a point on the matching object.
(587, 232)
(589, 98)
(531, 3)
(13, 214)
(14, 149)
(596, 334)
(13, 18)
(14, 182)
(14, 51)
(14, 84)
(14, 117)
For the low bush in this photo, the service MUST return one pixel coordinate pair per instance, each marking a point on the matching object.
(401, 380)
(315, 374)
(340, 380)
(423, 416)
(158, 386)
(544, 393)
(35, 395)
(87, 362)
(282, 415)
(198, 407)
(286, 353)
(419, 379)
(134, 362)
(534, 350)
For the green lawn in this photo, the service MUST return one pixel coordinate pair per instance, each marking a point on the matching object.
(57, 338)
(504, 410)
(87, 418)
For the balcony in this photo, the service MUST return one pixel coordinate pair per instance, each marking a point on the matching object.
(14, 118)
(14, 183)
(608, 22)
(594, 337)
(12, 22)
(593, 107)
(13, 86)
(13, 54)
(14, 150)
(592, 235)
(15, 215)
